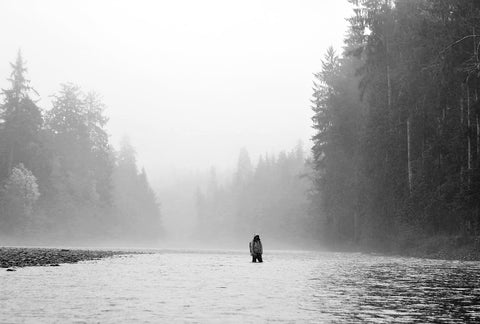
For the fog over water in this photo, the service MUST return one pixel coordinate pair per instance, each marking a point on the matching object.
(190, 83)
(240, 161)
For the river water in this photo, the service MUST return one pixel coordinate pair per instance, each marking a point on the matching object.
(225, 287)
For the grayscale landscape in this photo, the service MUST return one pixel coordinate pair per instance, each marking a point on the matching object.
(240, 161)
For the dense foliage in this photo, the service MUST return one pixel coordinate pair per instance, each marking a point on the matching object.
(397, 146)
(60, 177)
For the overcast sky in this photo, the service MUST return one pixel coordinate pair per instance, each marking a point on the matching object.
(190, 82)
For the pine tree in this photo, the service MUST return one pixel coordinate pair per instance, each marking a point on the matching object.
(22, 122)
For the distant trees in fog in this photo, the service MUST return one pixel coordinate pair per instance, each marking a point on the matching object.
(59, 175)
(267, 197)
(135, 202)
(397, 144)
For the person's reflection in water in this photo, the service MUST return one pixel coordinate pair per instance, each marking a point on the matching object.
(256, 249)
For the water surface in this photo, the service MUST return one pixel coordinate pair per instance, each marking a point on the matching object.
(219, 287)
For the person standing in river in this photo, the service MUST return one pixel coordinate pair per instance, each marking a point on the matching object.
(256, 249)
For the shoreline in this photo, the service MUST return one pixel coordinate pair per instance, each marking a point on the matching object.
(19, 257)
(451, 248)
(459, 248)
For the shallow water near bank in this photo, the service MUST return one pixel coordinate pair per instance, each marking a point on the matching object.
(209, 286)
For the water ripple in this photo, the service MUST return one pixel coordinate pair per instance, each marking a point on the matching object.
(199, 286)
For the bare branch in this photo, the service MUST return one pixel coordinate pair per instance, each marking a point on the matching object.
(456, 42)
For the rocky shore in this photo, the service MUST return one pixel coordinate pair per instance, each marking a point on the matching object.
(13, 257)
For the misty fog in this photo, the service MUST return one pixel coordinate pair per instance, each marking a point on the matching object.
(240, 161)
(188, 87)
(201, 124)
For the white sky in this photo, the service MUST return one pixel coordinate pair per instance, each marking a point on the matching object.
(190, 82)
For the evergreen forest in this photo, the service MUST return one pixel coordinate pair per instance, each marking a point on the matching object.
(60, 177)
(394, 161)
(396, 151)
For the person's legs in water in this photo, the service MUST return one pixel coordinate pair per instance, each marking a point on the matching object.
(257, 256)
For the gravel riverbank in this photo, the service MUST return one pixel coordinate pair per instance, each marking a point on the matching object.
(13, 257)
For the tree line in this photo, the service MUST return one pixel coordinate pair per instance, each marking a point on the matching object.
(396, 151)
(60, 178)
(266, 197)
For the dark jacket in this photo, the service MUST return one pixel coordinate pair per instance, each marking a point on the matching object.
(256, 247)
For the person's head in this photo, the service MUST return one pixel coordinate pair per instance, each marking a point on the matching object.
(256, 238)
